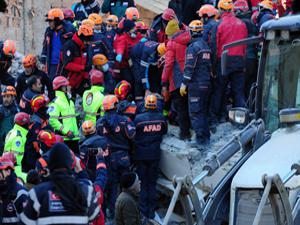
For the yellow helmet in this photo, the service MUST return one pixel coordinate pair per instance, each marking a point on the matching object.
(161, 49)
(266, 4)
(96, 18)
(88, 22)
(226, 5)
(196, 26)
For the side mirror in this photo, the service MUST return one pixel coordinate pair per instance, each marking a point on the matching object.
(224, 61)
(239, 116)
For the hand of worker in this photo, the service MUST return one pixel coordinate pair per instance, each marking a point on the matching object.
(70, 134)
(119, 58)
(182, 90)
(165, 94)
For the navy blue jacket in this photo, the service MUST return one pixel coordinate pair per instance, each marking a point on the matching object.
(207, 29)
(263, 17)
(119, 131)
(110, 37)
(150, 128)
(100, 45)
(83, 11)
(197, 67)
(28, 95)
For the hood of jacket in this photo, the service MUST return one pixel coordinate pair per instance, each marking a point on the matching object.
(182, 37)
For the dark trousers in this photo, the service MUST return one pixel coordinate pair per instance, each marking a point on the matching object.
(198, 104)
(148, 173)
(52, 71)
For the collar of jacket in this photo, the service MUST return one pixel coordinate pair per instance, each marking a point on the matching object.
(131, 193)
(78, 41)
(97, 88)
(22, 129)
(227, 14)
(61, 94)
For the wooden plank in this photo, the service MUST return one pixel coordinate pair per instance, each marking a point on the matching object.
(157, 6)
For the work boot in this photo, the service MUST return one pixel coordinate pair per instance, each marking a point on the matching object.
(185, 137)
(213, 128)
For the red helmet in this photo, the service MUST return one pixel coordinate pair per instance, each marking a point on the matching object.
(168, 14)
(122, 89)
(96, 77)
(22, 119)
(241, 5)
(6, 163)
(46, 137)
(10, 156)
(38, 102)
(69, 14)
(60, 81)
(59, 139)
(140, 25)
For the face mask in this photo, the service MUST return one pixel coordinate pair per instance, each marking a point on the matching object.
(105, 67)
(133, 35)
(69, 95)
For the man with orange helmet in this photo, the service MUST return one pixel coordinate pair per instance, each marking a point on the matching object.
(208, 14)
(76, 60)
(150, 126)
(12, 194)
(30, 69)
(266, 12)
(7, 52)
(111, 26)
(119, 131)
(58, 32)
(116, 7)
(84, 8)
(8, 110)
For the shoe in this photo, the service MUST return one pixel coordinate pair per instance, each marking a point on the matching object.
(213, 128)
(185, 137)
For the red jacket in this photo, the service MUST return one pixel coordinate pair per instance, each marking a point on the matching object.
(175, 60)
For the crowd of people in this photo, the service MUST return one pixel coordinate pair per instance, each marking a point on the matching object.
(66, 161)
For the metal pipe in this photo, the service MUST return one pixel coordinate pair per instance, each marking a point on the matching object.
(289, 176)
(200, 177)
(173, 202)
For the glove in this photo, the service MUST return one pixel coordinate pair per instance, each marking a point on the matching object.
(87, 68)
(119, 58)
(143, 40)
(165, 94)
(183, 89)
(70, 135)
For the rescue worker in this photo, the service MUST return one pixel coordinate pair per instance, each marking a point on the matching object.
(30, 69)
(62, 199)
(101, 63)
(7, 52)
(234, 71)
(16, 139)
(150, 128)
(158, 26)
(77, 59)
(69, 15)
(38, 121)
(119, 131)
(196, 82)
(34, 87)
(208, 14)
(126, 106)
(58, 32)
(111, 26)
(92, 99)
(84, 8)
(116, 7)
(8, 110)
(173, 74)
(63, 115)
(13, 196)
(265, 12)
(90, 147)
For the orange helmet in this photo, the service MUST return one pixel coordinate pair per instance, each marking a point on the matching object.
(85, 30)
(38, 102)
(161, 49)
(122, 89)
(29, 61)
(196, 26)
(208, 10)
(132, 13)
(266, 4)
(88, 22)
(9, 48)
(112, 20)
(88, 127)
(9, 90)
(55, 13)
(47, 137)
(110, 102)
(151, 102)
(6, 164)
(226, 5)
(96, 18)
(59, 81)
(99, 60)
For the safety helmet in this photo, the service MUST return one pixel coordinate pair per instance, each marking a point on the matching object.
(196, 26)
(69, 14)
(208, 10)
(9, 90)
(168, 14)
(151, 102)
(96, 18)
(29, 61)
(99, 60)
(88, 127)
(122, 89)
(85, 30)
(161, 49)
(88, 22)
(132, 13)
(110, 102)
(10, 156)
(241, 5)
(266, 4)
(9, 48)
(22, 119)
(39, 102)
(47, 137)
(96, 77)
(55, 13)
(141, 26)
(6, 164)
(226, 5)
(112, 20)
(60, 81)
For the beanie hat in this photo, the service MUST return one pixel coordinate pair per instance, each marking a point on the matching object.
(129, 180)
(128, 25)
(172, 27)
(60, 157)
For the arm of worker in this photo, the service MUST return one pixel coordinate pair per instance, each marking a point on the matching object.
(67, 59)
(169, 65)
(190, 63)
(54, 113)
(31, 211)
